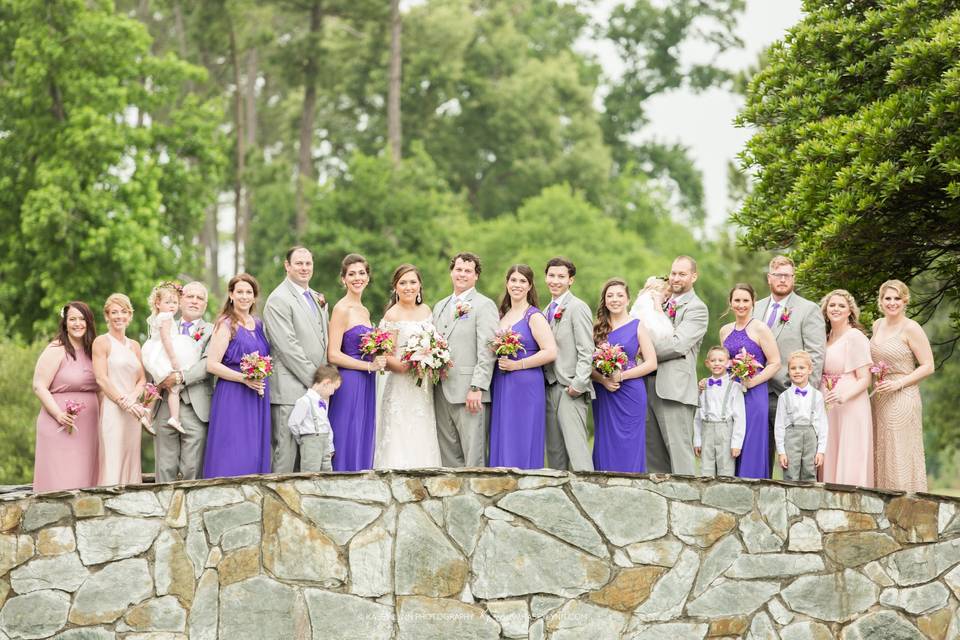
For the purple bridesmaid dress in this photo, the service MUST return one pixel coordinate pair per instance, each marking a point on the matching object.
(620, 417)
(238, 438)
(352, 410)
(754, 460)
(518, 412)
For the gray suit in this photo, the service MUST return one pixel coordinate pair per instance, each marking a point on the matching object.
(298, 343)
(179, 456)
(672, 392)
(568, 446)
(805, 330)
(462, 435)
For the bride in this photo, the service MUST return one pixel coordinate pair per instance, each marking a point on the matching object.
(406, 427)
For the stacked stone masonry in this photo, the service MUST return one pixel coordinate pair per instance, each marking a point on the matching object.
(479, 554)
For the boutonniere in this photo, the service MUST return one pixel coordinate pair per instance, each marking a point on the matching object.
(672, 308)
(198, 334)
(463, 310)
(321, 301)
(558, 314)
(785, 315)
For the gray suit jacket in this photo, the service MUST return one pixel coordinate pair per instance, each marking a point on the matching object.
(677, 354)
(574, 335)
(468, 339)
(805, 330)
(298, 341)
(197, 383)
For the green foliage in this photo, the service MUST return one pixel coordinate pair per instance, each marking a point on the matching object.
(18, 417)
(91, 200)
(857, 154)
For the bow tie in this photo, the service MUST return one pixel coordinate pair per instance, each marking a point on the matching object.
(321, 404)
(799, 391)
(715, 381)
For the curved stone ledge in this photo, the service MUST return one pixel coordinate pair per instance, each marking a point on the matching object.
(479, 553)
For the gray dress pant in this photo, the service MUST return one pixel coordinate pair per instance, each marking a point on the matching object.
(800, 445)
(669, 435)
(568, 445)
(284, 447)
(462, 435)
(179, 456)
(715, 458)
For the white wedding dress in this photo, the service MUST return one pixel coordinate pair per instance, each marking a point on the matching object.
(406, 426)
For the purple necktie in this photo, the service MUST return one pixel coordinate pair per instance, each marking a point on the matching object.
(773, 315)
(800, 392)
(185, 328)
(715, 381)
(310, 301)
(550, 309)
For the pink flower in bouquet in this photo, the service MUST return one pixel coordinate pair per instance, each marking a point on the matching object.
(507, 343)
(73, 408)
(377, 342)
(744, 366)
(608, 358)
(879, 370)
(256, 367)
(149, 395)
(428, 355)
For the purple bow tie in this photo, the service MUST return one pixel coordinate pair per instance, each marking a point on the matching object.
(715, 381)
(799, 391)
(321, 404)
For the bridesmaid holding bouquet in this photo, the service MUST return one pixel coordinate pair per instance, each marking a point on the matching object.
(620, 407)
(846, 376)
(757, 340)
(238, 438)
(518, 409)
(352, 410)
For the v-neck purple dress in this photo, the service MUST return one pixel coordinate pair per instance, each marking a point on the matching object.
(620, 417)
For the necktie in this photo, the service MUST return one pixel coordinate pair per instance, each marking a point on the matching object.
(799, 391)
(310, 301)
(715, 381)
(550, 309)
(185, 327)
(773, 315)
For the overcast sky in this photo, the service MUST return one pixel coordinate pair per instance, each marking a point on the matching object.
(704, 122)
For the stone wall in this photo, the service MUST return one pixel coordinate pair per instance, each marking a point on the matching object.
(478, 554)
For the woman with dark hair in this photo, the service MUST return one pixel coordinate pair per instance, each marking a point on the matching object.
(353, 407)
(756, 339)
(238, 438)
(67, 427)
(620, 408)
(406, 422)
(518, 409)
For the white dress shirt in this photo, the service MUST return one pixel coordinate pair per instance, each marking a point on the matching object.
(310, 418)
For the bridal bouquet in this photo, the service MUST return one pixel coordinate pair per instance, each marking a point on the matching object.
(377, 342)
(609, 358)
(73, 408)
(428, 356)
(744, 366)
(506, 342)
(256, 367)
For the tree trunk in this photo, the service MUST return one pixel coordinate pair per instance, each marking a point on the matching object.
(393, 94)
(209, 238)
(239, 202)
(305, 173)
(250, 97)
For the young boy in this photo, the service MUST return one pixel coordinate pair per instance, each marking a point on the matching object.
(800, 428)
(721, 419)
(309, 423)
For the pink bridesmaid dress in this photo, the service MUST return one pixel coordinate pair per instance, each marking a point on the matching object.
(849, 455)
(65, 460)
(119, 429)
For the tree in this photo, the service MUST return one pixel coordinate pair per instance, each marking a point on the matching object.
(857, 154)
(90, 202)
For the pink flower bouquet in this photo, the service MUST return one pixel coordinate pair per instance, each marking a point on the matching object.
(428, 355)
(377, 342)
(744, 366)
(506, 343)
(608, 358)
(256, 367)
(73, 408)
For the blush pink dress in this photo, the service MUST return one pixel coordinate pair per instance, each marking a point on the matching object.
(66, 460)
(849, 455)
(119, 429)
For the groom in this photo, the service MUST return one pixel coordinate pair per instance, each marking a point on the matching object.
(468, 320)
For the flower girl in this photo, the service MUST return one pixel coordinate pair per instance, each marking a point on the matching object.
(648, 308)
(167, 350)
